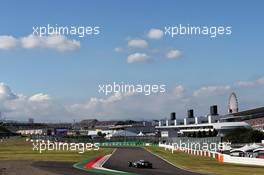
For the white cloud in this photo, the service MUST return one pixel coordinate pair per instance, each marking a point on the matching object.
(106, 101)
(119, 49)
(155, 34)
(211, 90)
(39, 106)
(7, 42)
(117, 106)
(116, 97)
(178, 91)
(40, 97)
(137, 57)
(254, 83)
(260, 81)
(95, 105)
(6, 93)
(137, 43)
(30, 42)
(57, 42)
(246, 83)
(174, 54)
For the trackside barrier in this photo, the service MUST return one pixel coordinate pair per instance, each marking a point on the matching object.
(222, 158)
(243, 160)
(128, 143)
(215, 155)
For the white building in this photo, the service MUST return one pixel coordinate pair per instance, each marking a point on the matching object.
(191, 124)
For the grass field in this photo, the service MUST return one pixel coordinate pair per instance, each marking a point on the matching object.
(19, 149)
(205, 164)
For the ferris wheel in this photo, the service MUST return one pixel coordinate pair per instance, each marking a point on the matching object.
(232, 103)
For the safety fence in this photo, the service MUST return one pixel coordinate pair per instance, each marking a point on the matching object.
(222, 158)
(106, 144)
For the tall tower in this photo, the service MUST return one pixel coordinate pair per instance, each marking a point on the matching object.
(232, 104)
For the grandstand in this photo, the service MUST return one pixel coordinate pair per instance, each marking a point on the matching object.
(254, 117)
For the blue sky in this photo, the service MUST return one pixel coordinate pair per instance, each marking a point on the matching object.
(73, 77)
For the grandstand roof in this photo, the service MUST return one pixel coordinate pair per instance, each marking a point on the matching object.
(250, 112)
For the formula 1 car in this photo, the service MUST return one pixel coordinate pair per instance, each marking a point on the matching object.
(140, 164)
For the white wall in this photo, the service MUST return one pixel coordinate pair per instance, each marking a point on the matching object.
(243, 160)
(225, 158)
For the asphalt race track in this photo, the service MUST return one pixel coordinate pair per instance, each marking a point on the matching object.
(27, 167)
(119, 161)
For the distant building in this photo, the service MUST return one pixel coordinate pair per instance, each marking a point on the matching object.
(30, 132)
(60, 131)
(121, 133)
(253, 118)
(193, 124)
(30, 120)
(95, 124)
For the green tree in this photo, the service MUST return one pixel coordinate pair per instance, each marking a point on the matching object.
(244, 135)
(215, 132)
(203, 133)
(100, 134)
(210, 134)
(256, 136)
(199, 134)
